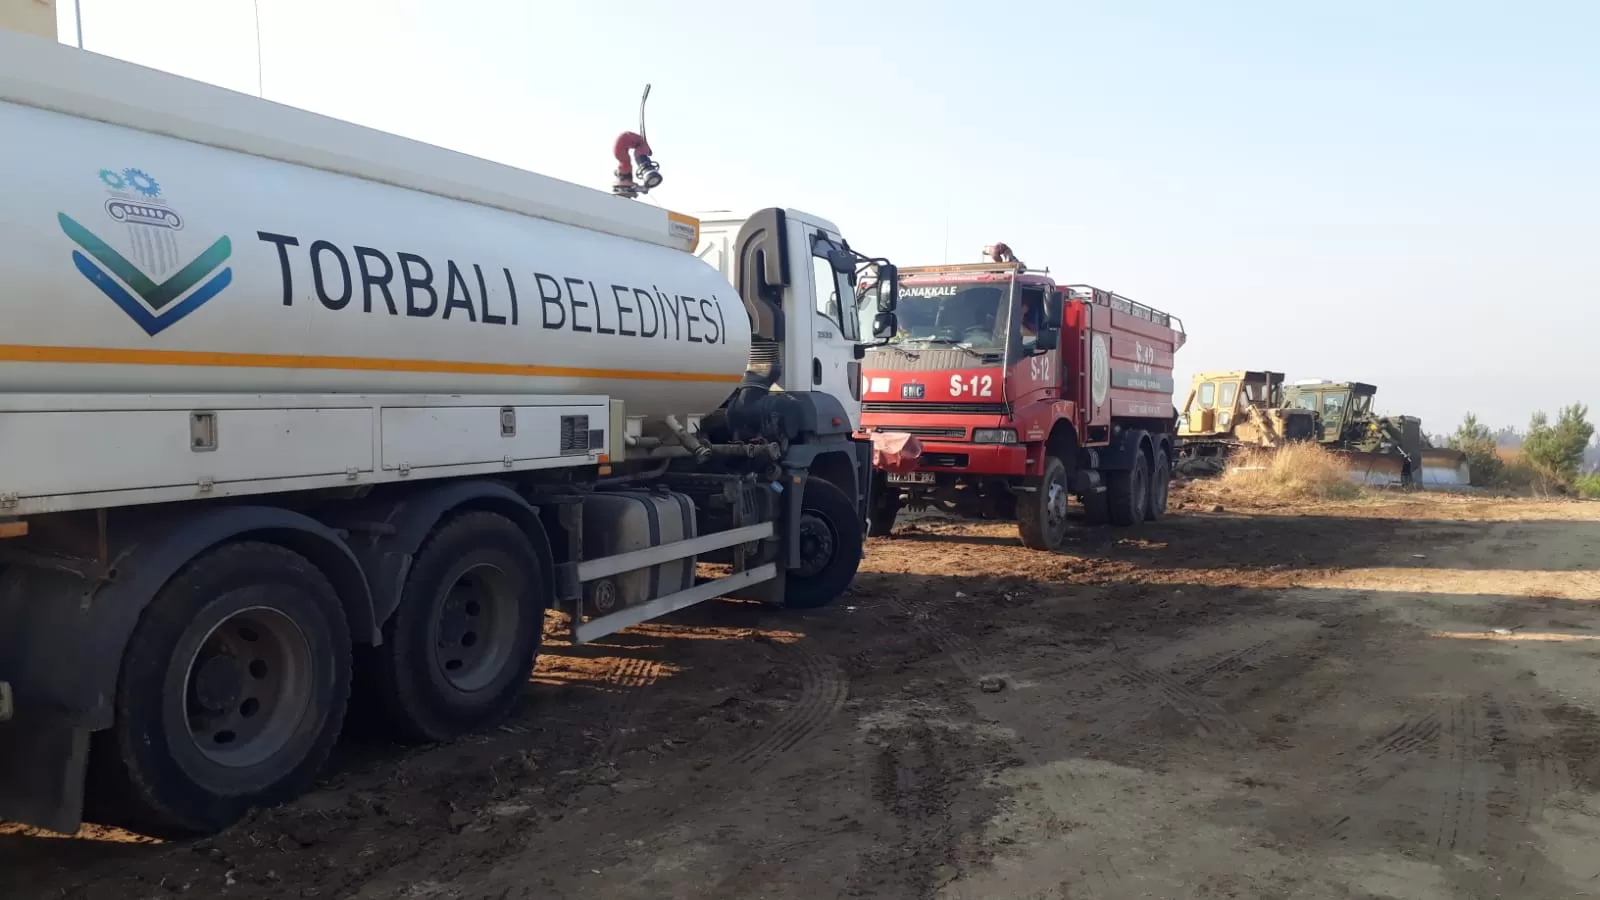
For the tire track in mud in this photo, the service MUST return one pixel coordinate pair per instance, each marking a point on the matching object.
(1060, 790)
(1119, 681)
(630, 676)
(1541, 773)
(1460, 820)
(1380, 764)
(823, 689)
(909, 778)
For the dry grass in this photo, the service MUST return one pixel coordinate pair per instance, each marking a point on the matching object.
(1292, 472)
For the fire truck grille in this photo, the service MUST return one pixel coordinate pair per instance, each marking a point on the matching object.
(919, 406)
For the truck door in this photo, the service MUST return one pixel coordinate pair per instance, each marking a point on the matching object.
(833, 367)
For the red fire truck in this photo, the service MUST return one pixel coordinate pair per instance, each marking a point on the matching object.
(1021, 392)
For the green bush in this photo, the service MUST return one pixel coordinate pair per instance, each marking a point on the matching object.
(1559, 448)
(1589, 486)
(1474, 439)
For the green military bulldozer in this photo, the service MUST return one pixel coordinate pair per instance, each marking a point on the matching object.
(1382, 450)
(1229, 410)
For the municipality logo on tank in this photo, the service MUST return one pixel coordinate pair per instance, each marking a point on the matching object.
(151, 277)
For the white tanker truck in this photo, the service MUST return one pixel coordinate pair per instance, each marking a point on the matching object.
(289, 406)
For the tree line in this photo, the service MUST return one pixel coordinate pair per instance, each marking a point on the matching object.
(1562, 455)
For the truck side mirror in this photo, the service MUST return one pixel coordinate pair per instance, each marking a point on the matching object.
(1049, 337)
(884, 325)
(888, 288)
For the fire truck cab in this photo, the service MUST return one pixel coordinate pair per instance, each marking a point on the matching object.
(1022, 392)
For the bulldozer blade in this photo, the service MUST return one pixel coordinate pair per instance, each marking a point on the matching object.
(1374, 469)
(1444, 468)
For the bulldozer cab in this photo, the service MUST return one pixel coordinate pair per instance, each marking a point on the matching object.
(1338, 406)
(1216, 400)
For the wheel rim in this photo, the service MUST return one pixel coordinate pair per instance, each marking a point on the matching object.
(818, 538)
(1055, 505)
(474, 626)
(247, 687)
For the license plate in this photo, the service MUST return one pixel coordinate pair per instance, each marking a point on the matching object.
(912, 477)
(912, 391)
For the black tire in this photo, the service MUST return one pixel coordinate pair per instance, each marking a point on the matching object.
(830, 546)
(459, 648)
(885, 507)
(1097, 508)
(231, 694)
(1128, 493)
(881, 522)
(1160, 487)
(1042, 514)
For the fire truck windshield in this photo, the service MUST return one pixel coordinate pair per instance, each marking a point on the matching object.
(971, 315)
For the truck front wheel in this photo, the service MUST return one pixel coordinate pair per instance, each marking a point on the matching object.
(459, 649)
(1042, 514)
(1128, 492)
(232, 692)
(830, 546)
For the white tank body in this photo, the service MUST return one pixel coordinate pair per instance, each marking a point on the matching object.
(135, 262)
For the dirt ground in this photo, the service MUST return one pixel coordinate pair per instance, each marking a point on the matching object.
(1385, 699)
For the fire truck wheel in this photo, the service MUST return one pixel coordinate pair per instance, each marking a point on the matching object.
(830, 546)
(1042, 514)
(1160, 486)
(885, 507)
(1128, 493)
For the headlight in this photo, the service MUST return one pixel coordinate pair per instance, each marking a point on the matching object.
(994, 436)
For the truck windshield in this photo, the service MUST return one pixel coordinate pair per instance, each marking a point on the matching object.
(972, 315)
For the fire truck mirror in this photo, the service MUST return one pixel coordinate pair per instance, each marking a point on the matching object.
(1049, 338)
(888, 287)
(884, 325)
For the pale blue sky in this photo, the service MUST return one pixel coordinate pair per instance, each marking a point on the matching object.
(1404, 193)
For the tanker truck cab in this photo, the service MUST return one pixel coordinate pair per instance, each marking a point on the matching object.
(799, 284)
(1020, 393)
(293, 412)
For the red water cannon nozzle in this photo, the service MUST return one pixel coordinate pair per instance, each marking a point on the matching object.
(632, 150)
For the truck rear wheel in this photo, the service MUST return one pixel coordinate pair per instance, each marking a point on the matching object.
(1128, 493)
(830, 546)
(1042, 514)
(1160, 486)
(459, 649)
(232, 692)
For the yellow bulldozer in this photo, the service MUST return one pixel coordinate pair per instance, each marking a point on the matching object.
(1228, 410)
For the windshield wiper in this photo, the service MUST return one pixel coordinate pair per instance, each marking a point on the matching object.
(949, 342)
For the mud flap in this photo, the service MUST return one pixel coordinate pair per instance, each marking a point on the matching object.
(42, 765)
